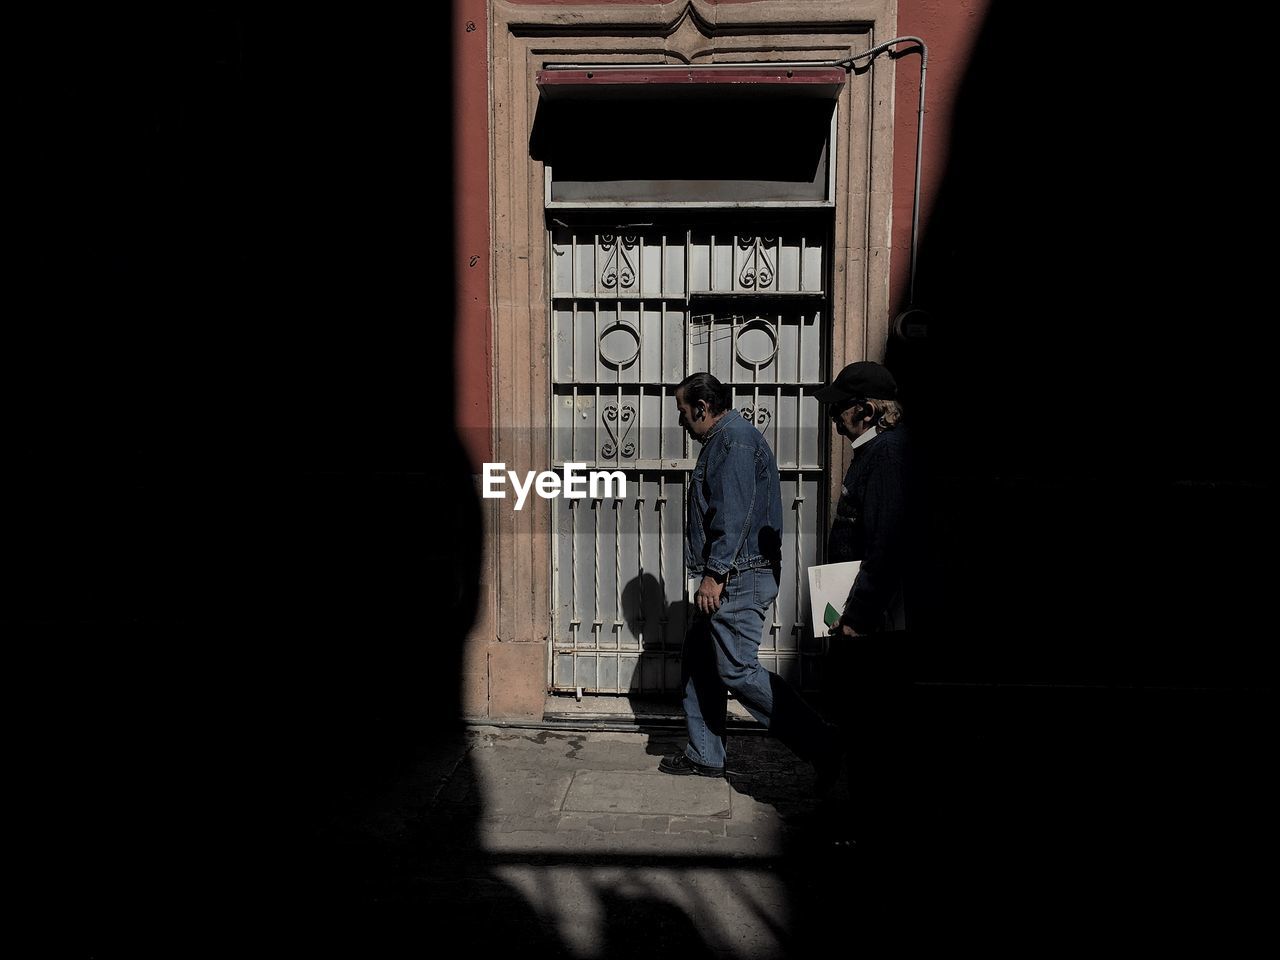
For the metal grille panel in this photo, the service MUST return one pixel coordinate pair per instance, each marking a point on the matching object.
(631, 315)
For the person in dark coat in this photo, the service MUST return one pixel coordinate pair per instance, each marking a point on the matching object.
(873, 524)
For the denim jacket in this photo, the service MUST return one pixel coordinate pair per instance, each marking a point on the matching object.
(734, 508)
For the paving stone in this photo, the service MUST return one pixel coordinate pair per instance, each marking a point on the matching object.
(697, 825)
(649, 792)
(523, 792)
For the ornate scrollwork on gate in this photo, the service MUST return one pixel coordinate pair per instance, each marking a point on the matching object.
(759, 415)
(623, 416)
(757, 266)
(619, 265)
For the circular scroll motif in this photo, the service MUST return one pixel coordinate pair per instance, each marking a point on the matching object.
(619, 344)
(757, 342)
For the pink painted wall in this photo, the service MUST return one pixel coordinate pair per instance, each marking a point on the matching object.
(473, 341)
(949, 28)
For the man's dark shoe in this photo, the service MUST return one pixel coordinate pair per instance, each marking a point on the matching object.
(681, 766)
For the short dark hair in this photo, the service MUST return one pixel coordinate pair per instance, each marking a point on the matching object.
(705, 388)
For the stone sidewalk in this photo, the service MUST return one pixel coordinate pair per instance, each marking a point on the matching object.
(530, 785)
(576, 840)
(1010, 816)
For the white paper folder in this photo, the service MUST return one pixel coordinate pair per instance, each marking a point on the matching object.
(829, 583)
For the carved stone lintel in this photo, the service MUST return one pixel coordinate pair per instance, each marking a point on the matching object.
(689, 39)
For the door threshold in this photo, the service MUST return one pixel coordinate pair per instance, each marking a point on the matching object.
(628, 712)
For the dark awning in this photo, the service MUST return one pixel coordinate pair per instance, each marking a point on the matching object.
(614, 82)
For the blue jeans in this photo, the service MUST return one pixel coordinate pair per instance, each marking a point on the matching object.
(721, 653)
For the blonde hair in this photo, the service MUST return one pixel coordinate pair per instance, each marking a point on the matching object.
(885, 414)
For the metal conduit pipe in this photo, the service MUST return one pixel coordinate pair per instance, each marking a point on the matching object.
(848, 63)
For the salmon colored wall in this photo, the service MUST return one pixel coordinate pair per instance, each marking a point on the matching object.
(473, 342)
(949, 28)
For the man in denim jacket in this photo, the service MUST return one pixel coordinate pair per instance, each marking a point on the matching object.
(733, 537)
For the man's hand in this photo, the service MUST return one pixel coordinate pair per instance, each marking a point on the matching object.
(707, 599)
(843, 629)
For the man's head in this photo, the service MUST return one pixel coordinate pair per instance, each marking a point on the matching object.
(862, 397)
(702, 400)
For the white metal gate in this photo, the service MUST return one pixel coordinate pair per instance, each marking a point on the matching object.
(633, 311)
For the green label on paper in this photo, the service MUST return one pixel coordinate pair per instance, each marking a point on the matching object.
(830, 615)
